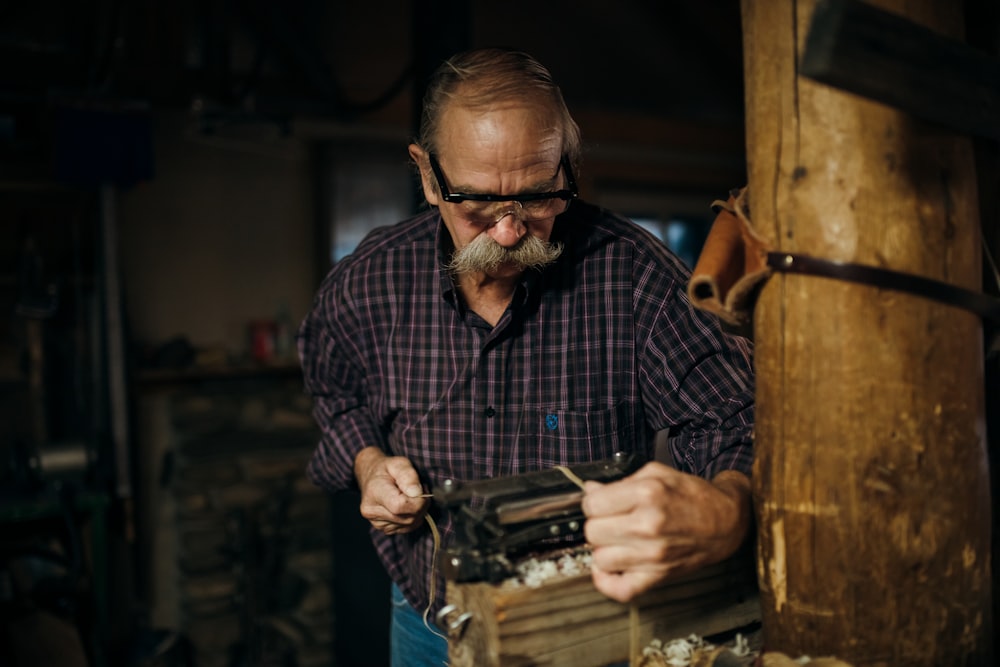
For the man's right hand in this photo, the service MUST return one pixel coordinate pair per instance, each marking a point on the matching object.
(391, 494)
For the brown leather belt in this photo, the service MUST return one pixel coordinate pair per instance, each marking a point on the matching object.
(985, 306)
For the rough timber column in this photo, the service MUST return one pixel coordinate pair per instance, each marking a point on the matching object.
(871, 477)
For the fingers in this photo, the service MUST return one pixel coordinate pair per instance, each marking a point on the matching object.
(391, 496)
(394, 512)
(398, 526)
(622, 572)
(405, 476)
(643, 524)
(659, 553)
(624, 586)
(657, 470)
(638, 555)
(651, 485)
(647, 527)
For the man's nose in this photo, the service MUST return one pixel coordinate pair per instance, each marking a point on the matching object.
(508, 230)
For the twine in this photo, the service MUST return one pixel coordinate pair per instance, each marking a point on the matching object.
(432, 587)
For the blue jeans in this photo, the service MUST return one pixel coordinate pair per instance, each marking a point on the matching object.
(411, 643)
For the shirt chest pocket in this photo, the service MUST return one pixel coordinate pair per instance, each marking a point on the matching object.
(568, 436)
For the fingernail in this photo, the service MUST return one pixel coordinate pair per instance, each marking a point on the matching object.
(413, 491)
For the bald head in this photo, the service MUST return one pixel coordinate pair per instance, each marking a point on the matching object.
(486, 79)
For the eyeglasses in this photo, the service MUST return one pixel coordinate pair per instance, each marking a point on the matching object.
(490, 208)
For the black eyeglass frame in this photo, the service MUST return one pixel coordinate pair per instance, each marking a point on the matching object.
(457, 197)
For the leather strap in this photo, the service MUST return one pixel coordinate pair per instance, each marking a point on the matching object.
(985, 306)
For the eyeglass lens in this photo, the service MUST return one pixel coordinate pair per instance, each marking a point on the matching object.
(527, 211)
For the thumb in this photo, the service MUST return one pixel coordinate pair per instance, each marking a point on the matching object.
(406, 477)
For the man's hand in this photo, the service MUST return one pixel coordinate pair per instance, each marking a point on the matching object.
(390, 491)
(660, 522)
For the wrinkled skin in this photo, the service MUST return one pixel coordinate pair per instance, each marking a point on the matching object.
(659, 523)
(390, 491)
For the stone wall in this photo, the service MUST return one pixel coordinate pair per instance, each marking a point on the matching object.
(237, 538)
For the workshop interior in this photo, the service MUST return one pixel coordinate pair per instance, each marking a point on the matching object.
(175, 180)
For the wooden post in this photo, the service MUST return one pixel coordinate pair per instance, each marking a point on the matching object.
(871, 478)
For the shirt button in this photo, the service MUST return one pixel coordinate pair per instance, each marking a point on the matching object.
(490, 412)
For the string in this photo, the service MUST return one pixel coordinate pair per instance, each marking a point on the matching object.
(570, 475)
(432, 588)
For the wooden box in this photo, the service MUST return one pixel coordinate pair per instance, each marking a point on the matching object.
(566, 621)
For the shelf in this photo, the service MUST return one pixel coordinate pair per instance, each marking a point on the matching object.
(276, 370)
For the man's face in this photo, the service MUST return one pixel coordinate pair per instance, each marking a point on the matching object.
(504, 150)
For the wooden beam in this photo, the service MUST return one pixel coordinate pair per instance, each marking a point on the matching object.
(864, 50)
(871, 477)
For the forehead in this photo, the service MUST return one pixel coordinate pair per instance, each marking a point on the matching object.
(499, 131)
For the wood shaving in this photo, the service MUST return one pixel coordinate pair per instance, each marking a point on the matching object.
(694, 651)
(537, 570)
(776, 659)
(676, 652)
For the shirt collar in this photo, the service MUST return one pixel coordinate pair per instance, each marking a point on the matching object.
(444, 246)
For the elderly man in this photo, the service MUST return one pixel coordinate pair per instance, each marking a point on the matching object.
(512, 327)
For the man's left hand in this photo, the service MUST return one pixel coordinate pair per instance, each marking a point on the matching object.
(660, 522)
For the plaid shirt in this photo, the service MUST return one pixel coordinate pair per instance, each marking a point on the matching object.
(595, 354)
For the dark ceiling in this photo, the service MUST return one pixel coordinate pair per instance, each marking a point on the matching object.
(351, 61)
(677, 59)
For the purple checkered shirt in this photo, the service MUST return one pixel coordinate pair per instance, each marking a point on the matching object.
(595, 354)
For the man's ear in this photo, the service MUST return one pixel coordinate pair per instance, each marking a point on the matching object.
(419, 157)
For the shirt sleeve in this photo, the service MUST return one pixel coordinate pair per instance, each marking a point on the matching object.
(332, 366)
(698, 381)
